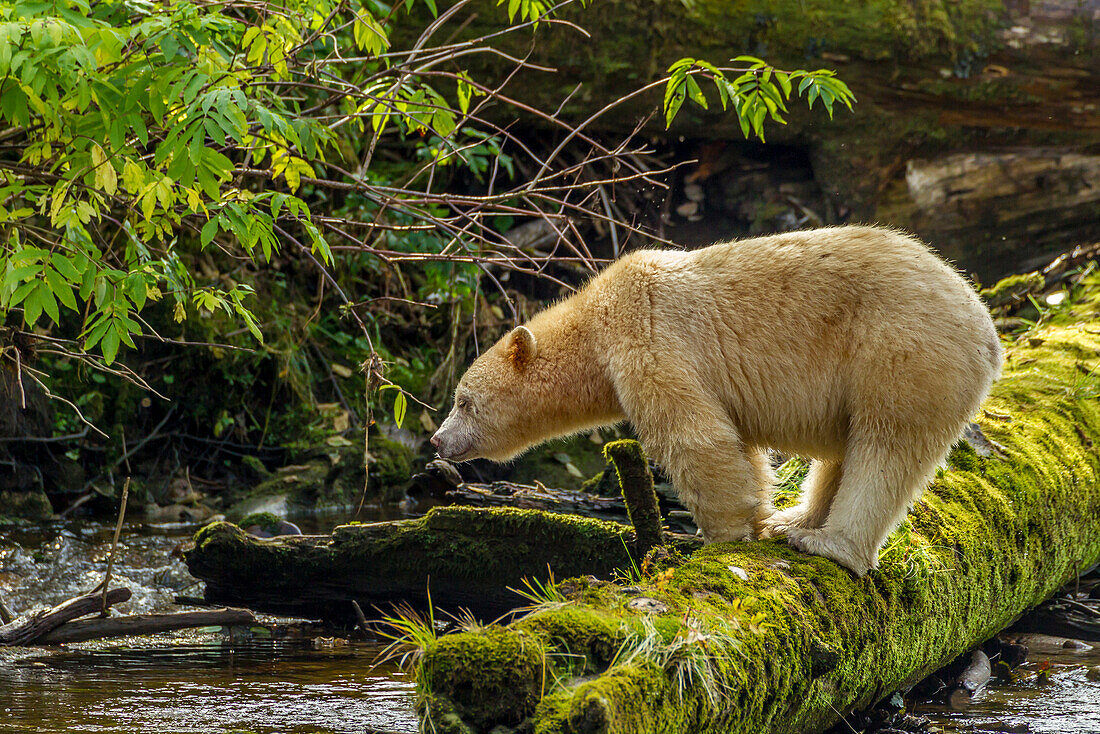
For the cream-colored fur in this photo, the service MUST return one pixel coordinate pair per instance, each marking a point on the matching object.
(853, 346)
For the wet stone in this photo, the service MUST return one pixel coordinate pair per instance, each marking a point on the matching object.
(647, 604)
(1076, 645)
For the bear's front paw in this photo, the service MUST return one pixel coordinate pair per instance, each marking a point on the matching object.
(820, 542)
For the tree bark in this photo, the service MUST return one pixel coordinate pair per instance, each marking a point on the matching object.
(749, 638)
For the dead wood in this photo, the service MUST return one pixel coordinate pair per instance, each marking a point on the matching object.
(30, 627)
(143, 624)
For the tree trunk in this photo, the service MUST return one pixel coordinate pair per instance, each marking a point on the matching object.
(754, 638)
(30, 628)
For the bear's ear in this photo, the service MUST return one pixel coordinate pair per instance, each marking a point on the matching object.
(521, 347)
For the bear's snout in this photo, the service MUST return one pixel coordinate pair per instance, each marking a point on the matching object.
(450, 442)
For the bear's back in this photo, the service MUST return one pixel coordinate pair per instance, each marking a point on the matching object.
(800, 325)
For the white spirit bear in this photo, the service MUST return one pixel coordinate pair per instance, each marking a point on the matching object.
(854, 346)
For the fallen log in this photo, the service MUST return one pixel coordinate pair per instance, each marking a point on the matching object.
(438, 485)
(463, 557)
(28, 628)
(528, 497)
(755, 637)
(82, 630)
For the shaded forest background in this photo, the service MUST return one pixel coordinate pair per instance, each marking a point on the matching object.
(306, 219)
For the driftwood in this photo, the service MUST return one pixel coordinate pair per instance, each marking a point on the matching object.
(1078, 618)
(441, 484)
(82, 630)
(528, 497)
(30, 627)
(1066, 269)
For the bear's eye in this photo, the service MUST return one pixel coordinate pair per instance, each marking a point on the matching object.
(463, 403)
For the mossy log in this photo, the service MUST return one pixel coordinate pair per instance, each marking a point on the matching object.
(756, 637)
(465, 557)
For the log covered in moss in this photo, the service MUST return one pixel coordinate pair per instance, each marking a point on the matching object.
(467, 557)
(759, 638)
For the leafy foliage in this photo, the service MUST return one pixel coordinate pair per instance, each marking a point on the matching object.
(758, 92)
(134, 124)
(181, 166)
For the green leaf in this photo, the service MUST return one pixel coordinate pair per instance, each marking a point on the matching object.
(32, 306)
(695, 93)
(96, 332)
(110, 342)
(209, 230)
(135, 290)
(61, 288)
(105, 176)
(399, 407)
(65, 266)
(49, 303)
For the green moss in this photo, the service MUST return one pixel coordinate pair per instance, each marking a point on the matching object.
(1011, 289)
(265, 520)
(332, 476)
(491, 676)
(561, 464)
(604, 484)
(391, 462)
(990, 538)
(963, 458)
(1002, 91)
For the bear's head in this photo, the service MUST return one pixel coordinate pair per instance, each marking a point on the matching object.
(491, 417)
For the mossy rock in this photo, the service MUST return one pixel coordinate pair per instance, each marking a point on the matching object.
(331, 476)
(805, 641)
(25, 505)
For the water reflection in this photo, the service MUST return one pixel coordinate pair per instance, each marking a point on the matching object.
(196, 684)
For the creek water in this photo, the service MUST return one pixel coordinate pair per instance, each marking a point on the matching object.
(203, 682)
(192, 682)
(1069, 703)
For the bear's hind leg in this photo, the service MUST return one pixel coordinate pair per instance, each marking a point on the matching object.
(877, 484)
(818, 490)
